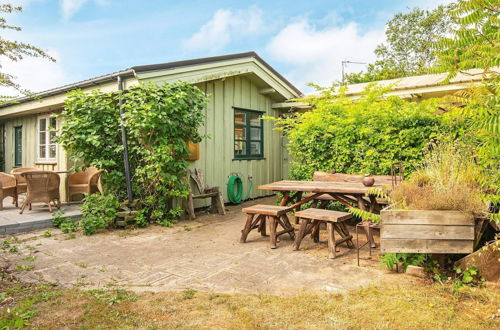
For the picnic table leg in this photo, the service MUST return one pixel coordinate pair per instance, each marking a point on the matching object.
(288, 226)
(369, 236)
(285, 199)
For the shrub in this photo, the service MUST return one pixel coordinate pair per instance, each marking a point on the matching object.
(159, 121)
(98, 212)
(363, 136)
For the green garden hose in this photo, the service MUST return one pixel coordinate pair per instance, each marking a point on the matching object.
(235, 196)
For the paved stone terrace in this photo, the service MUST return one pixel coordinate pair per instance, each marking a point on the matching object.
(11, 222)
(204, 255)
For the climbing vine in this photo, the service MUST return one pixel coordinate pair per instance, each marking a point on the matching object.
(159, 120)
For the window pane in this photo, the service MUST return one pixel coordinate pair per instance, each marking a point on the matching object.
(240, 133)
(42, 150)
(239, 148)
(52, 151)
(43, 124)
(255, 148)
(52, 137)
(239, 118)
(42, 138)
(255, 133)
(53, 122)
(255, 119)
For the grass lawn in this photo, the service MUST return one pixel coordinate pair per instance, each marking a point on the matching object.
(422, 305)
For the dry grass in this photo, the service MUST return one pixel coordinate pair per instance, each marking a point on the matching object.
(428, 197)
(419, 306)
(448, 180)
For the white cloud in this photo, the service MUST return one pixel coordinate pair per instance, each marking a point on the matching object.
(224, 25)
(316, 54)
(35, 74)
(71, 7)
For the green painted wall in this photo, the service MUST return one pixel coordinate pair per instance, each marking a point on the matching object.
(217, 151)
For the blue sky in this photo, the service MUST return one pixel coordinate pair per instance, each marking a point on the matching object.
(303, 40)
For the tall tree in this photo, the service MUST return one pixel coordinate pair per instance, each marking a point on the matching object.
(14, 50)
(408, 49)
(475, 43)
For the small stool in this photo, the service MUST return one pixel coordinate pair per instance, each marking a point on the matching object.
(312, 218)
(276, 214)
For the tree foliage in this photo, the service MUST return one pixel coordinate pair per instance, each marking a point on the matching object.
(408, 47)
(159, 121)
(14, 50)
(367, 135)
(473, 44)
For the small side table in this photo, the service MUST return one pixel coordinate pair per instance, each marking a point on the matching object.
(369, 226)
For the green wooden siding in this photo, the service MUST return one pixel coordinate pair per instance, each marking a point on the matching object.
(217, 152)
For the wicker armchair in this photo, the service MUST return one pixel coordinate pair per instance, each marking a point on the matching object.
(21, 182)
(84, 182)
(7, 188)
(43, 186)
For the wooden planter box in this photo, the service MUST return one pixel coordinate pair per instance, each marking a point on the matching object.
(423, 231)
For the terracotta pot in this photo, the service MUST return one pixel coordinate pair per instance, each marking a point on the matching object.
(368, 180)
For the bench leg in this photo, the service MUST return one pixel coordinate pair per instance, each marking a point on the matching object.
(262, 225)
(273, 222)
(315, 231)
(300, 235)
(332, 246)
(246, 229)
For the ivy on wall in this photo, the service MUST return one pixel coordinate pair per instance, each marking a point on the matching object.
(159, 120)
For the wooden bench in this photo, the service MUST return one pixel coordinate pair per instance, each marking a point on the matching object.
(275, 214)
(310, 221)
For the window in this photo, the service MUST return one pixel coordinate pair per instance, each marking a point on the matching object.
(18, 146)
(46, 138)
(248, 134)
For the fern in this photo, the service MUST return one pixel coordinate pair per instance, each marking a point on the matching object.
(365, 215)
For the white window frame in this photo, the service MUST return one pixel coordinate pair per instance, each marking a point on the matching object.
(45, 158)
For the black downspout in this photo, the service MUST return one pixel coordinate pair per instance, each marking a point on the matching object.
(126, 162)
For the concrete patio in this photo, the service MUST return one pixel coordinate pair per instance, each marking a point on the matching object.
(11, 222)
(204, 255)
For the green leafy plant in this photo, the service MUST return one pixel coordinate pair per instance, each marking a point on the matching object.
(69, 226)
(98, 212)
(159, 120)
(405, 259)
(360, 136)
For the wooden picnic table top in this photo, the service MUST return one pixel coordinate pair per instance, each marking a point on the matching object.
(319, 187)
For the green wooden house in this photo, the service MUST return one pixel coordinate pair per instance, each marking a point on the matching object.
(242, 88)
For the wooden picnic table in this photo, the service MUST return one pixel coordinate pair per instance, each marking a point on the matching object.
(344, 192)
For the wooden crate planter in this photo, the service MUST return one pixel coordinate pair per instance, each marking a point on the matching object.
(425, 231)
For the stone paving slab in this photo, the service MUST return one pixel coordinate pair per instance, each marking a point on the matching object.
(202, 255)
(11, 222)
